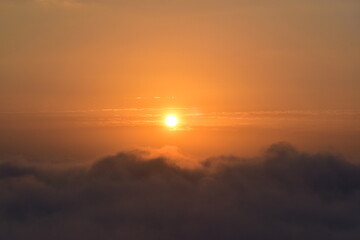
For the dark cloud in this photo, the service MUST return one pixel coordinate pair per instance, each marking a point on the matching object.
(286, 194)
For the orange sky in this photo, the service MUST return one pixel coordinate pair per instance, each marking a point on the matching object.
(217, 55)
(99, 75)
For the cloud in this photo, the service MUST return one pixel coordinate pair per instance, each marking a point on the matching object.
(285, 194)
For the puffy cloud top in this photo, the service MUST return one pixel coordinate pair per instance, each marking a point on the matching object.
(286, 195)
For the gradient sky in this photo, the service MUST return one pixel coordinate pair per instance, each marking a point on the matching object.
(215, 55)
(267, 97)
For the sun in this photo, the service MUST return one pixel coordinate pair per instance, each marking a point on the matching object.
(171, 121)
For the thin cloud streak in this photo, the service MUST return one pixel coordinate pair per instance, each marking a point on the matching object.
(191, 117)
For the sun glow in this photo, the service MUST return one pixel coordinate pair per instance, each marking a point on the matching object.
(171, 121)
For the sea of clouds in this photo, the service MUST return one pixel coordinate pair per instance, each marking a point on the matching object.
(284, 194)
